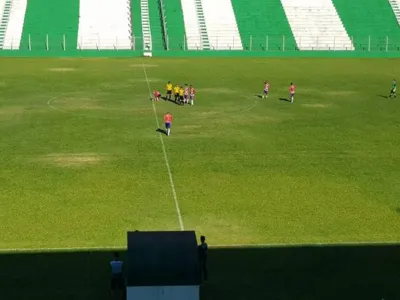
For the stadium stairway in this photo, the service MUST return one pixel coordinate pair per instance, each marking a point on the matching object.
(146, 31)
(316, 25)
(5, 8)
(14, 26)
(104, 25)
(222, 29)
(53, 19)
(396, 9)
(175, 24)
(369, 23)
(263, 27)
(156, 25)
(195, 28)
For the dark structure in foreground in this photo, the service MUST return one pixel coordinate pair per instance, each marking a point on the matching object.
(162, 265)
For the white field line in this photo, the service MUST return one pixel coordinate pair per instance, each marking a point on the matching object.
(231, 246)
(171, 180)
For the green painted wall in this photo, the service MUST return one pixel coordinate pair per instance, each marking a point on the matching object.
(54, 18)
(136, 24)
(156, 25)
(257, 20)
(374, 18)
(175, 24)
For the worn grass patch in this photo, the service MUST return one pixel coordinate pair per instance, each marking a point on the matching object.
(73, 159)
(62, 69)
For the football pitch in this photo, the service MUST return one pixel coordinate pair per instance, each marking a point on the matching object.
(82, 161)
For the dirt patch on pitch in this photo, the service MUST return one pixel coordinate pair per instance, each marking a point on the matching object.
(62, 69)
(216, 90)
(80, 103)
(8, 112)
(317, 105)
(145, 65)
(340, 93)
(73, 159)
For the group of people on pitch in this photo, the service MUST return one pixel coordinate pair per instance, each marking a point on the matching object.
(118, 282)
(182, 95)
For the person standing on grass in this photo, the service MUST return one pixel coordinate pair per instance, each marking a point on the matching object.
(176, 93)
(192, 94)
(117, 278)
(168, 87)
(203, 255)
(292, 91)
(168, 118)
(266, 90)
(393, 89)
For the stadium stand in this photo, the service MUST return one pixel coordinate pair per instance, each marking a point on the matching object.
(175, 25)
(396, 9)
(46, 23)
(13, 25)
(222, 29)
(263, 26)
(370, 30)
(104, 25)
(159, 25)
(316, 25)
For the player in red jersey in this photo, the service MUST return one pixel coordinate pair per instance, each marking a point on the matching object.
(192, 91)
(168, 118)
(156, 95)
(266, 90)
(186, 94)
(292, 91)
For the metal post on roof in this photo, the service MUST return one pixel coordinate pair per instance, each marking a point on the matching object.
(47, 41)
(64, 46)
(29, 42)
(251, 43)
(387, 43)
(369, 43)
(283, 43)
(167, 41)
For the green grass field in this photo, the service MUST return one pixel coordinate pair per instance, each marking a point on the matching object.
(82, 163)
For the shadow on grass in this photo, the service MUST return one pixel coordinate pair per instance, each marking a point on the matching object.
(292, 273)
(284, 99)
(172, 100)
(160, 130)
(383, 96)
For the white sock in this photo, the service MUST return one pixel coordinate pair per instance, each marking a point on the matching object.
(191, 102)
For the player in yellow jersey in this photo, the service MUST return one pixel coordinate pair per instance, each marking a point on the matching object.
(168, 87)
(181, 93)
(176, 93)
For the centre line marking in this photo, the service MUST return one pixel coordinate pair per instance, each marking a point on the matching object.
(171, 180)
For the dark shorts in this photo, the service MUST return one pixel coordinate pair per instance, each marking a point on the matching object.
(186, 96)
(169, 92)
(181, 97)
(117, 282)
(167, 125)
(177, 95)
(265, 91)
